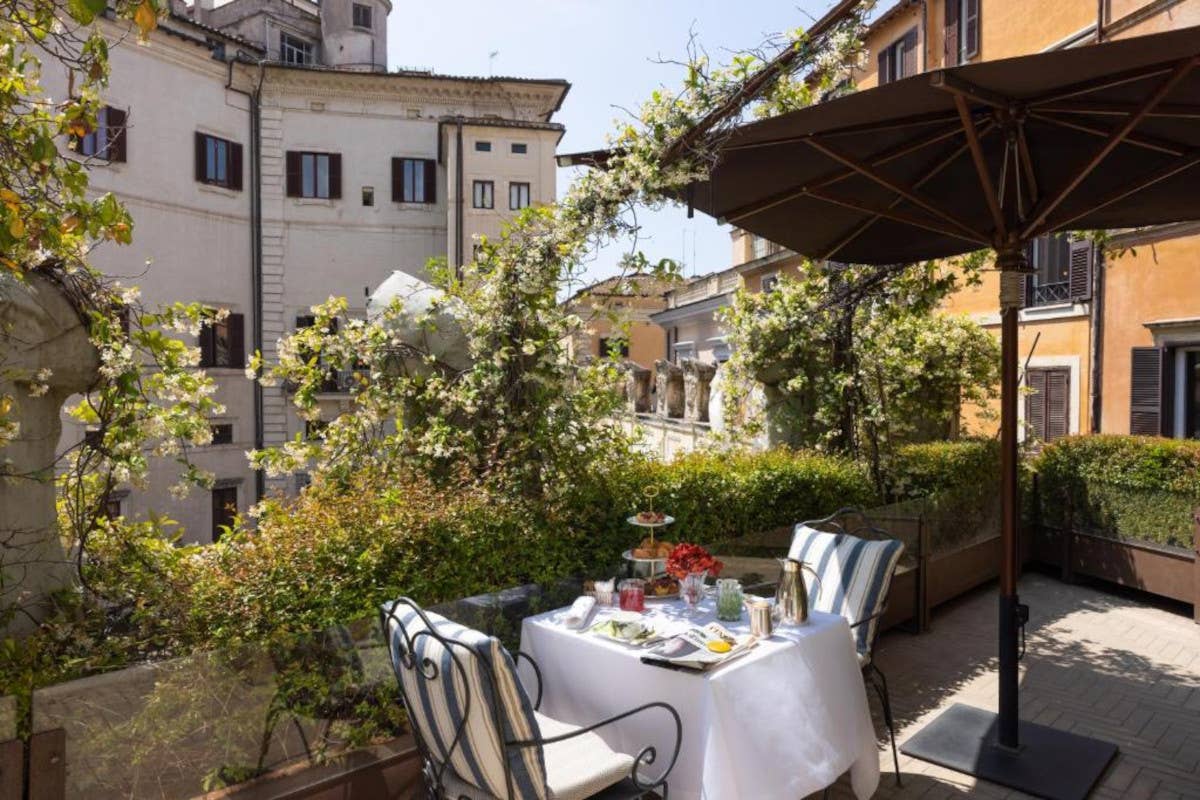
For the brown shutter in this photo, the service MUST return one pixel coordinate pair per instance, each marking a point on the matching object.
(430, 181)
(292, 171)
(950, 35)
(237, 340)
(335, 176)
(1146, 391)
(910, 53)
(397, 180)
(200, 156)
(115, 123)
(235, 166)
(970, 29)
(1035, 403)
(1080, 275)
(207, 345)
(305, 321)
(1058, 403)
(885, 65)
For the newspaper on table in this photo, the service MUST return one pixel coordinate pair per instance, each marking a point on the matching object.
(690, 649)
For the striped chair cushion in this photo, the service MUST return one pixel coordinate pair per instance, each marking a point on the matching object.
(854, 576)
(483, 683)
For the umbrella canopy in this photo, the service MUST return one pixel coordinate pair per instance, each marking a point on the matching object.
(976, 156)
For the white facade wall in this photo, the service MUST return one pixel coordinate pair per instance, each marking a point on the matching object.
(198, 238)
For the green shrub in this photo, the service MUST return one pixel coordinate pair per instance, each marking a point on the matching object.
(1130, 487)
(923, 470)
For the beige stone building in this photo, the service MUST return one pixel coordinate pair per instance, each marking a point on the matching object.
(270, 161)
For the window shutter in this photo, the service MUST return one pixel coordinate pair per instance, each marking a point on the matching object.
(207, 345)
(970, 29)
(237, 340)
(115, 123)
(1035, 403)
(199, 156)
(397, 180)
(950, 34)
(305, 321)
(1080, 279)
(910, 53)
(1146, 391)
(335, 176)
(292, 169)
(1058, 403)
(235, 166)
(430, 181)
(885, 65)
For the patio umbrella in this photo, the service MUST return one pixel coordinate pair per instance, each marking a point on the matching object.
(984, 155)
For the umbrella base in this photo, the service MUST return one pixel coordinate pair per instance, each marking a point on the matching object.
(1051, 763)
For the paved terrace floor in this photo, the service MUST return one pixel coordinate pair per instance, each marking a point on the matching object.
(1100, 664)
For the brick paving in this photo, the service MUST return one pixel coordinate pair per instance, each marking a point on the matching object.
(1097, 663)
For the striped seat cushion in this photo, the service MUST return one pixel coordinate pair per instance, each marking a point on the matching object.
(467, 694)
(854, 576)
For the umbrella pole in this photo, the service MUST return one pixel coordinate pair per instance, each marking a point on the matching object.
(1032, 758)
(1012, 613)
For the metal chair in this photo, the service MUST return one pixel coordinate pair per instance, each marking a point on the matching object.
(469, 714)
(855, 523)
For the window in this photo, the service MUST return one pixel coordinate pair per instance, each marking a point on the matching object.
(518, 195)
(361, 16)
(761, 248)
(414, 180)
(294, 50)
(107, 139)
(899, 59)
(608, 346)
(1048, 403)
(368, 195)
(768, 283)
(222, 433)
(222, 344)
(484, 194)
(519, 148)
(313, 428)
(315, 175)
(961, 32)
(1191, 395)
(224, 509)
(1062, 270)
(114, 506)
(330, 384)
(218, 161)
(483, 147)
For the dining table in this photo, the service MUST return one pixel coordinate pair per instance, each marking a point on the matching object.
(783, 720)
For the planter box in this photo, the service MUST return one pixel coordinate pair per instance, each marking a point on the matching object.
(1164, 571)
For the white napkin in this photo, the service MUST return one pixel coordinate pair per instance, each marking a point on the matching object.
(578, 613)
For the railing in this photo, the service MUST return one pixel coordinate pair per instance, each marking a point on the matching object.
(1046, 293)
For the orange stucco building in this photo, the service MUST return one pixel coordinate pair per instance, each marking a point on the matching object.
(1111, 340)
(615, 314)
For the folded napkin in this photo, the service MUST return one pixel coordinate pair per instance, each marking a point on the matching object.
(578, 613)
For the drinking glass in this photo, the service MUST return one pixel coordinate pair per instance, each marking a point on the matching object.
(633, 595)
(729, 599)
(691, 589)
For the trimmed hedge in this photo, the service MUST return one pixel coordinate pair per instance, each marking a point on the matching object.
(1127, 487)
(933, 468)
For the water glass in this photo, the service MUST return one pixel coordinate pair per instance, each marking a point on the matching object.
(691, 588)
(729, 599)
(633, 595)
(604, 592)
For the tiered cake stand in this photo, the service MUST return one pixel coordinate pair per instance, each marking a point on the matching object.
(646, 567)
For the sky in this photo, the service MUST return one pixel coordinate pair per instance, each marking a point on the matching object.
(607, 49)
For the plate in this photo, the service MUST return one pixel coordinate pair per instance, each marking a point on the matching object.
(609, 629)
(667, 520)
(629, 556)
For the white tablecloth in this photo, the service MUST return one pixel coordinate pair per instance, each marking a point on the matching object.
(783, 721)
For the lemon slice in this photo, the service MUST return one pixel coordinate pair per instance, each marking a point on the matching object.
(719, 646)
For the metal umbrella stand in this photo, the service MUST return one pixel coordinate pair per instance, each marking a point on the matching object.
(985, 155)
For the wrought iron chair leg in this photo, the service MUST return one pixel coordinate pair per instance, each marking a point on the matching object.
(881, 689)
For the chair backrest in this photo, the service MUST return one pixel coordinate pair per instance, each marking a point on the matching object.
(465, 703)
(854, 562)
